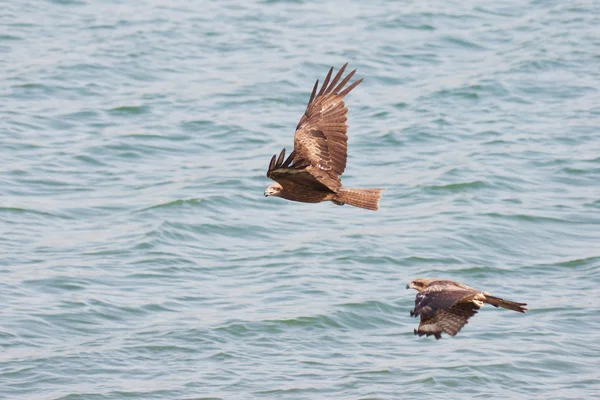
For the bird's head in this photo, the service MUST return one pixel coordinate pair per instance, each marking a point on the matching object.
(420, 284)
(274, 190)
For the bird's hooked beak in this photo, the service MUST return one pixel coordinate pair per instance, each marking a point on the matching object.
(409, 286)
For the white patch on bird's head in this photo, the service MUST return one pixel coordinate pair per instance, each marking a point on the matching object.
(420, 284)
(273, 190)
(416, 284)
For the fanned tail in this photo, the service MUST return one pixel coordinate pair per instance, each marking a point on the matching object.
(362, 198)
(511, 305)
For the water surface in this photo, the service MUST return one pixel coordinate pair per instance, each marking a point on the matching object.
(141, 260)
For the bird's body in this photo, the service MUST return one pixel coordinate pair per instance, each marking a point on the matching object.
(311, 173)
(297, 192)
(446, 306)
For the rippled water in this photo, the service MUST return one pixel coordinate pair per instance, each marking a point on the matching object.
(141, 260)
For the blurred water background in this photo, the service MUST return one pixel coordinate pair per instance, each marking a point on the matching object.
(140, 259)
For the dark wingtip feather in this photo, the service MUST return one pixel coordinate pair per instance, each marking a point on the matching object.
(326, 81)
(343, 83)
(335, 79)
(349, 88)
(312, 95)
(272, 163)
(289, 160)
(280, 158)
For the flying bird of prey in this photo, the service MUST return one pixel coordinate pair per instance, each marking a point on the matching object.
(311, 173)
(446, 306)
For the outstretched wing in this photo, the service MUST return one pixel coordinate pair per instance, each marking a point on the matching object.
(428, 302)
(445, 311)
(320, 135)
(450, 321)
(291, 174)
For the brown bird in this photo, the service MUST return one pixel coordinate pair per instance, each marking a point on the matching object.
(446, 306)
(311, 173)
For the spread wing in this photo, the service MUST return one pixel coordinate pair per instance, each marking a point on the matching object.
(291, 174)
(445, 311)
(450, 321)
(320, 135)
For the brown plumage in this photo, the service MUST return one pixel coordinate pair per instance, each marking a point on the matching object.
(311, 173)
(446, 306)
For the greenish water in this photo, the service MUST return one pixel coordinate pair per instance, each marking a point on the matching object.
(140, 259)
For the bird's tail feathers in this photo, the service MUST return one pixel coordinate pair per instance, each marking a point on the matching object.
(363, 198)
(511, 305)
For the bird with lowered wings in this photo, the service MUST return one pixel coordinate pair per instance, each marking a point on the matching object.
(446, 306)
(311, 173)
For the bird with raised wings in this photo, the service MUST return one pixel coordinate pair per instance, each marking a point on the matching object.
(311, 173)
(446, 306)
